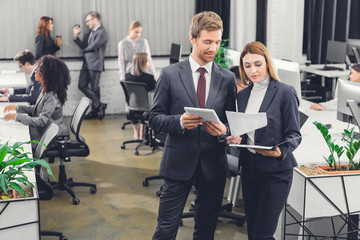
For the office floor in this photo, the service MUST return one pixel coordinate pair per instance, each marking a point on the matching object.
(122, 208)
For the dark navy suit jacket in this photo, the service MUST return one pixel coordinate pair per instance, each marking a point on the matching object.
(281, 106)
(28, 94)
(185, 149)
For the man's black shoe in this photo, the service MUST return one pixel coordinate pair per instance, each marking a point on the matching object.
(102, 108)
(92, 115)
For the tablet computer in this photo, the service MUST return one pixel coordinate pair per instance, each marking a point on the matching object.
(251, 146)
(207, 114)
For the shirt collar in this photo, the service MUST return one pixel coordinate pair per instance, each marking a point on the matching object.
(132, 40)
(194, 65)
(96, 28)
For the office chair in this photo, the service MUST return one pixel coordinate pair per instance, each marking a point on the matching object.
(175, 53)
(45, 190)
(225, 210)
(356, 54)
(137, 108)
(126, 102)
(64, 149)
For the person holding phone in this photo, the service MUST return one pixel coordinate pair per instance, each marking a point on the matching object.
(26, 62)
(266, 174)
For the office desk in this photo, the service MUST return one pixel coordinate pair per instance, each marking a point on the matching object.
(19, 218)
(15, 80)
(333, 75)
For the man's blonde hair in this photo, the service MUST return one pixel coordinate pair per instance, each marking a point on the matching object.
(205, 21)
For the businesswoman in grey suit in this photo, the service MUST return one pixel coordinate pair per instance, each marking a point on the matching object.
(266, 174)
(54, 77)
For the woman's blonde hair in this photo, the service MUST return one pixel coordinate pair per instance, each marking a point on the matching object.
(133, 25)
(260, 49)
(139, 63)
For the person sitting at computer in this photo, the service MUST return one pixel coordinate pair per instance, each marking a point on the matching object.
(26, 62)
(332, 104)
(54, 77)
(138, 73)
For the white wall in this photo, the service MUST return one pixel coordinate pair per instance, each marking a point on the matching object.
(285, 29)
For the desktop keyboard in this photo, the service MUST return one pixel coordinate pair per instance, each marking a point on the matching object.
(331, 68)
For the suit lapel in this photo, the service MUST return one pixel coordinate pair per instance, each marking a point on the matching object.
(269, 95)
(216, 78)
(188, 82)
(39, 99)
(244, 98)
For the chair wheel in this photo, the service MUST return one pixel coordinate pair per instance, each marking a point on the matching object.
(136, 152)
(123, 146)
(181, 223)
(123, 127)
(76, 201)
(93, 190)
(64, 238)
(145, 183)
(158, 193)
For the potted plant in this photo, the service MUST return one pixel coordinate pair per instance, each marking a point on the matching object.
(220, 57)
(20, 216)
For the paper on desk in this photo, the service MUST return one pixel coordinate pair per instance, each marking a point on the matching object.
(241, 123)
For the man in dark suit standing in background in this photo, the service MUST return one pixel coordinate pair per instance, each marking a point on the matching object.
(194, 150)
(26, 62)
(93, 45)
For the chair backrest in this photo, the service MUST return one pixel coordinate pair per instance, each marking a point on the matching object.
(175, 53)
(138, 96)
(151, 98)
(46, 138)
(78, 116)
(125, 92)
(356, 54)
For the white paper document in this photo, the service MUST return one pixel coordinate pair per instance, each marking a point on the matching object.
(207, 114)
(241, 123)
(250, 146)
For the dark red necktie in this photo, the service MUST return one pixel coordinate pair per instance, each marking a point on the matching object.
(201, 87)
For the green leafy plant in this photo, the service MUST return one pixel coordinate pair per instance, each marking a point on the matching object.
(220, 58)
(336, 151)
(14, 162)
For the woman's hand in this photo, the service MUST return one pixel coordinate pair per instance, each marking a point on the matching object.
(9, 116)
(9, 108)
(316, 106)
(275, 152)
(233, 140)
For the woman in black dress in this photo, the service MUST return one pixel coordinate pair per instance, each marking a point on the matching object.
(44, 44)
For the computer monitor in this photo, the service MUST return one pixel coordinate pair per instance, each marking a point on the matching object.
(175, 53)
(234, 56)
(336, 52)
(350, 43)
(347, 90)
(291, 78)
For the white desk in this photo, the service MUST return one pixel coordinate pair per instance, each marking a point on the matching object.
(15, 80)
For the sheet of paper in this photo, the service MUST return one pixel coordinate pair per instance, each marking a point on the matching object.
(205, 113)
(250, 146)
(241, 123)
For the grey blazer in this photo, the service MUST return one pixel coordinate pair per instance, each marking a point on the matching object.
(38, 117)
(185, 149)
(94, 51)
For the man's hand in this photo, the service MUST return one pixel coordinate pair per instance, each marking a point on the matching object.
(191, 121)
(233, 140)
(275, 152)
(215, 129)
(9, 108)
(76, 32)
(4, 99)
(316, 106)
(9, 116)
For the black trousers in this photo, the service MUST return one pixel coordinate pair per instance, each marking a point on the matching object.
(207, 206)
(87, 77)
(265, 195)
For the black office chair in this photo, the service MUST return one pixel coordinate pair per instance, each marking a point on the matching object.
(175, 53)
(45, 190)
(65, 149)
(226, 209)
(126, 102)
(138, 106)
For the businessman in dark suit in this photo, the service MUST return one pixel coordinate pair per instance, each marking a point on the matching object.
(266, 174)
(26, 62)
(194, 150)
(93, 45)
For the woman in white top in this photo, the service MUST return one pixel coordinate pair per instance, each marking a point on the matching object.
(130, 45)
(332, 104)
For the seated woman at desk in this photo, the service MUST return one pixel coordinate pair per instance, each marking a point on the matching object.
(54, 77)
(332, 104)
(138, 73)
(266, 174)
